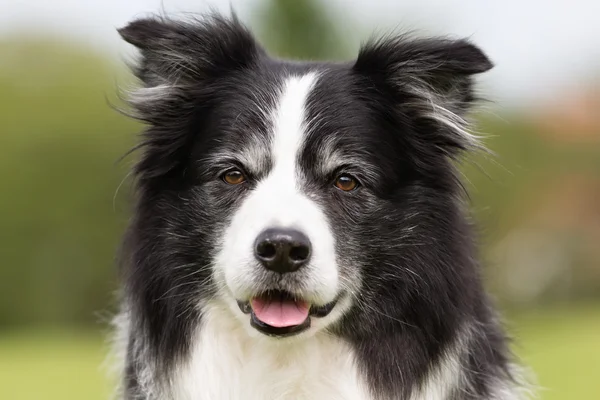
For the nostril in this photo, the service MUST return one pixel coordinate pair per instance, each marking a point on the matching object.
(299, 253)
(266, 250)
(282, 250)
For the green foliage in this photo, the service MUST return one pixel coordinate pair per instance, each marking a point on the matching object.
(521, 158)
(60, 143)
(301, 30)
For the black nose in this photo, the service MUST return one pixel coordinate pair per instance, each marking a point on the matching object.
(282, 250)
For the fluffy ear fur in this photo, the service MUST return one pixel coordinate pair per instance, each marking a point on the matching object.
(176, 52)
(181, 62)
(432, 81)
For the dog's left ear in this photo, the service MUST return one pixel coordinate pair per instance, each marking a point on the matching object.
(431, 80)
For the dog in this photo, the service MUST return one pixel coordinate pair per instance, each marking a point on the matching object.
(300, 229)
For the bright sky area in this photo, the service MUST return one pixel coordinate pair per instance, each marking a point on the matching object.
(538, 46)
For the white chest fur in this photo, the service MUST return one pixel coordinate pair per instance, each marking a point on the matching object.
(228, 364)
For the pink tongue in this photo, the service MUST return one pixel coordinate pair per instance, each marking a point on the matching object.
(280, 313)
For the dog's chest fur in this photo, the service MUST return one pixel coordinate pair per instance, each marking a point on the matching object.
(226, 363)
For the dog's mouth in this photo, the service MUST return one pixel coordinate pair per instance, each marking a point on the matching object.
(278, 313)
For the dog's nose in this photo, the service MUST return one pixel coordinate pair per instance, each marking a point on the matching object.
(282, 250)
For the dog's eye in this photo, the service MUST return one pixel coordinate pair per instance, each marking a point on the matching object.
(346, 182)
(234, 177)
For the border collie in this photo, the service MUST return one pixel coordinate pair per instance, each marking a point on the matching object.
(300, 230)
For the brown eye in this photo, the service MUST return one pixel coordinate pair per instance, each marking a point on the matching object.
(234, 177)
(346, 182)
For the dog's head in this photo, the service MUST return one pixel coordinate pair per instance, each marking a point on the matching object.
(293, 192)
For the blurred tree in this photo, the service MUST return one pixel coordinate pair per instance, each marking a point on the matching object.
(60, 143)
(301, 29)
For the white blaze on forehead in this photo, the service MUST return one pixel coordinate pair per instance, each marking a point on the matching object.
(282, 184)
(289, 126)
(278, 201)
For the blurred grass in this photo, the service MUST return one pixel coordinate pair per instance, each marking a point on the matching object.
(561, 346)
(52, 366)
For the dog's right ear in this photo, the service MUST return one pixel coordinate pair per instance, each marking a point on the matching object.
(180, 62)
(180, 52)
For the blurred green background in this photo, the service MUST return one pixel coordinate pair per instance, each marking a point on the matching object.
(64, 203)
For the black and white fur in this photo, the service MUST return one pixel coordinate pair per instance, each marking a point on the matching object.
(411, 321)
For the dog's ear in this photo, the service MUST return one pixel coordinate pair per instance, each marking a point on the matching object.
(430, 79)
(177, 52)
(180, 66)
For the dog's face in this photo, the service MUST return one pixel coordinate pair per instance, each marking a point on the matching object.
(288, 191)
(280, 239)
(275, 254)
